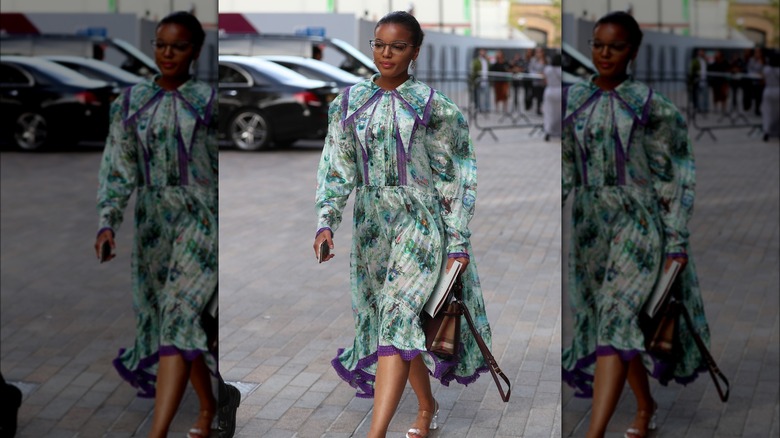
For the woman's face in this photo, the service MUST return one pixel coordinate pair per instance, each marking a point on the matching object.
(392, 61)
(611, 51)
(174, 51)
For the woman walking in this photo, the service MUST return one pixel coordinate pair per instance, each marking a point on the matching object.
(627, 156)
(405, 149)
(162, 144)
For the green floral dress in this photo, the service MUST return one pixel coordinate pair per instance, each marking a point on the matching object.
(408, 156)
(627, 155)
(162, 144)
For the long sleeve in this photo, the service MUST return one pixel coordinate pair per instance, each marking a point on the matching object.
(454, 166)
(337, 170)
(670, 158)
(119, 170)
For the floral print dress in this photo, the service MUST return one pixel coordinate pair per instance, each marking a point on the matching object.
(627, 156)
(162, 144)
(409, 158)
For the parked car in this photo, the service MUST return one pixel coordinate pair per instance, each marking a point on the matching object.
(336, 52)
(94, 69)
(43, 102)
(314, 69)
(261, 102)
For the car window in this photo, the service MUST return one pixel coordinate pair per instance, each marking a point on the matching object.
(10, 75)
(230, 75)
(305, 71)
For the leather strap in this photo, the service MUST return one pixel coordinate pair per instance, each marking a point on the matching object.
(491, 361)
(712, 367)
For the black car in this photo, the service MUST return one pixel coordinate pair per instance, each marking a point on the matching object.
(42, 103)
(95, 69)
(261, 102)
(314, 69)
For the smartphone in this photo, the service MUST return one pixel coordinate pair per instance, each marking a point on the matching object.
(324, 251)
(105, 251)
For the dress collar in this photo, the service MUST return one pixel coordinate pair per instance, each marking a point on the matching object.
(197, 97)
(634, 96)
(414, 95)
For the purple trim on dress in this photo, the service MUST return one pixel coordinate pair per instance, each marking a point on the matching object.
(139, 378)
(677, 255)
(363, 380)
(455, 255)
(584, 159)
(582, 381)
(188, 355)
(131, 119)
(113, 234)
(347, 120)
(399, 148)
(587, 103)
(323, 229)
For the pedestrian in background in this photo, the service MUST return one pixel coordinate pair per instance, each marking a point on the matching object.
(755, 68)
(406, 151)
(627, 156)
(770, 110)
(718, 78)
(536, 66)
(162, 144)
(553, 79)
(501, 81)
(481, 82)
(697, 80)
(517, 65)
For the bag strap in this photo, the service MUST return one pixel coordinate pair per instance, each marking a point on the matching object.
(712, 367)
(495, 371)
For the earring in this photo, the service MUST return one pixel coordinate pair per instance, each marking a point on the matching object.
(414, 64)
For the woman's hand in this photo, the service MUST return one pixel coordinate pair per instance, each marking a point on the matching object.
(105, 236)
(463, 261)
(670, 258)
(325, 235)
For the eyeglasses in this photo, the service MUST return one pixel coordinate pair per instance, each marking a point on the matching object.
(177, 47)
(618, 47)
(395, 48)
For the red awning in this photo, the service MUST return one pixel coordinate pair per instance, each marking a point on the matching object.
(235, 23)
(15, 23)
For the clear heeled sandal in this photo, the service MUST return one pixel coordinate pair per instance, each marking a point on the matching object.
(433, 425)
(633, 432)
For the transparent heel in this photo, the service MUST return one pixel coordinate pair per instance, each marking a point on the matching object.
(432, 425)
(633, 432)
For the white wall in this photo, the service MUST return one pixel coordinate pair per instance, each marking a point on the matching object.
(205, 10)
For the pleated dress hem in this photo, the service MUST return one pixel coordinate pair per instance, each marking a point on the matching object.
(363, 381)
(582, 381)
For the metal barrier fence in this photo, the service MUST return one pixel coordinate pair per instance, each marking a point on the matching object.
(513, 115)
(700, 118)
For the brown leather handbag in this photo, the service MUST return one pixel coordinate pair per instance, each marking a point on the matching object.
(442, 336)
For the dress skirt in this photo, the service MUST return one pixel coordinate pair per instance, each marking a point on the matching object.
(174, 276)
(396, 258)
(616, 258)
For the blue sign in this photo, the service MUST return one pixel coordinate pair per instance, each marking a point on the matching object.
(311, 31)
(93, 31)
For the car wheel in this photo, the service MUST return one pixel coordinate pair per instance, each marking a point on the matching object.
(249, 130)
(31, 132)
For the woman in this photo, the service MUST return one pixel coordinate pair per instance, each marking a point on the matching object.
(162, 143)
(536, 66)
(501, 84)
(770, 106)
(719, 81)
(553, 77)
(406, 150)
(627, 154)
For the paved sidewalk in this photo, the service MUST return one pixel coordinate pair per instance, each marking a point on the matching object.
(64, 316)
(283, 316)
(735, 236)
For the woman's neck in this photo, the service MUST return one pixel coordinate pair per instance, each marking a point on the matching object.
(609, 83)
(386, 83)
